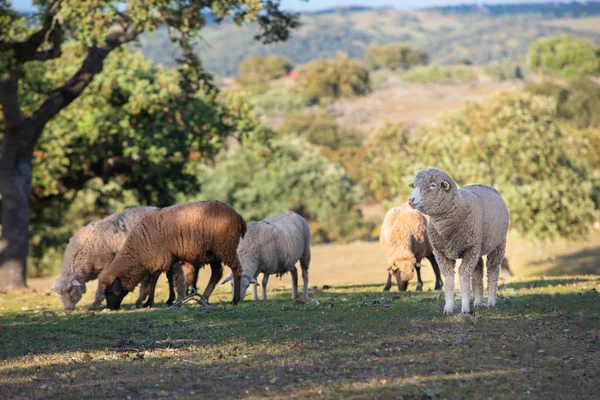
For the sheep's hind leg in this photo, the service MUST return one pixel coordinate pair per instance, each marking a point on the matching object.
(436, 270)
(216, 273)
(153, 279)
(465, 272)
(477, 283)
(265, 280)
(294, 272)
(419, 280)
(494, 260)
(171, 298)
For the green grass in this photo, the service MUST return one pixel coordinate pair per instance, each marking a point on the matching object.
(542, 341)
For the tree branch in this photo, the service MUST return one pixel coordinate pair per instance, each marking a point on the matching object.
(27, 50)
(93, 64)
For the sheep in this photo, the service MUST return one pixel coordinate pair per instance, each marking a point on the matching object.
(465, 223)
(195, 232)
(90, 250)
(273, 246)
(405, 243)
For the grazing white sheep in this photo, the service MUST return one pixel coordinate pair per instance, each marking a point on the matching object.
(92, 249)
(273, 246)
(405, 243)
(465, 223)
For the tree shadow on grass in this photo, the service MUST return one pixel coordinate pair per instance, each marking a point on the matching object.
(277, 348)
(545, 282)
(583, 262)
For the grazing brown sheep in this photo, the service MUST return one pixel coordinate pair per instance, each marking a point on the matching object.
(205, 232)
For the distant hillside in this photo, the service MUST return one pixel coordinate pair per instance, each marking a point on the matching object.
(449, 34)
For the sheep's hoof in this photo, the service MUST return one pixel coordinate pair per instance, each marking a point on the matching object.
(478, 303)
(490, 304)
(449, 309)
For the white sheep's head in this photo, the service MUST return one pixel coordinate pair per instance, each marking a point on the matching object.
(245, 282)
(70, 289)
(433, 191)
(403, 270)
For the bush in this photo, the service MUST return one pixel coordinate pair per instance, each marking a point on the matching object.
(260, 179)
(333, 78)
(504, 71)
(394, 56)
(319, 128)
(577, 102)
(277, 100)
(564, 56)
(440, 74)
(511, 141)
(264, 68)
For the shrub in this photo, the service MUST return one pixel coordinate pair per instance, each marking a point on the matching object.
(333, 78)
(264, 68)
(277, 100)
(504, 71)
(440, 74)
(394, 56)
(319, 128)
(565, 56)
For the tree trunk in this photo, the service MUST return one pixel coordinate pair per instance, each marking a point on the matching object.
(15, 186)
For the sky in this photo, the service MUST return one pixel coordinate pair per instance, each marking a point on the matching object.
(314, 5)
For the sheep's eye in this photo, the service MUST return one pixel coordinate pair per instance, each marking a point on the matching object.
(433, 185)
(411, 185)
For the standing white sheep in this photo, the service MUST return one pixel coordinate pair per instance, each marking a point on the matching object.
(465, 223)
(91, 249)
(405, 243)
(273, 246)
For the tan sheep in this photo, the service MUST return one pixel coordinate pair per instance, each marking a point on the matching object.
(206, 232)
(405, 243)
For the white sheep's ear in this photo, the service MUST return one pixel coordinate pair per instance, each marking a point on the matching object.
(76, 282)
(445, 185)
(228, 279)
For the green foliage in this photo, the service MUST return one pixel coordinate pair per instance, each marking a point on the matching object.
(319, 128)
(504, 71)
(264, 68)
(512, 142)
(333, 78)
(565, 56)
(577, 102)
(394, 56)
(262, 178)
(276, 100)
(440, 74)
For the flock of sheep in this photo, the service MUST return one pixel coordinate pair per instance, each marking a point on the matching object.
(440, 222)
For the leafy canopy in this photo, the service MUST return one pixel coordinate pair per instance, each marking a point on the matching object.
(394, 56)
(564, 56)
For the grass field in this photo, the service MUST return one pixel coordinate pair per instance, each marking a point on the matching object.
(542, 341)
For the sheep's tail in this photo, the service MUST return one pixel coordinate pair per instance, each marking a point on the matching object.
(243, 226)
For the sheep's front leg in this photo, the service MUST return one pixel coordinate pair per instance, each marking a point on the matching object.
(294, 272)
(447, 266)
(494, 261)
(179, 281)
(97, 300)
(144, 292)
(265, 280)
(419, 280)
(255, 291)
(388, 284)
(153, 279)
(465, 272)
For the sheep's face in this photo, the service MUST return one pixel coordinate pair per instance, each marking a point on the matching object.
(70, 289)
(115, 293)
(403, 271)
(433, 191)
(245, 282)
